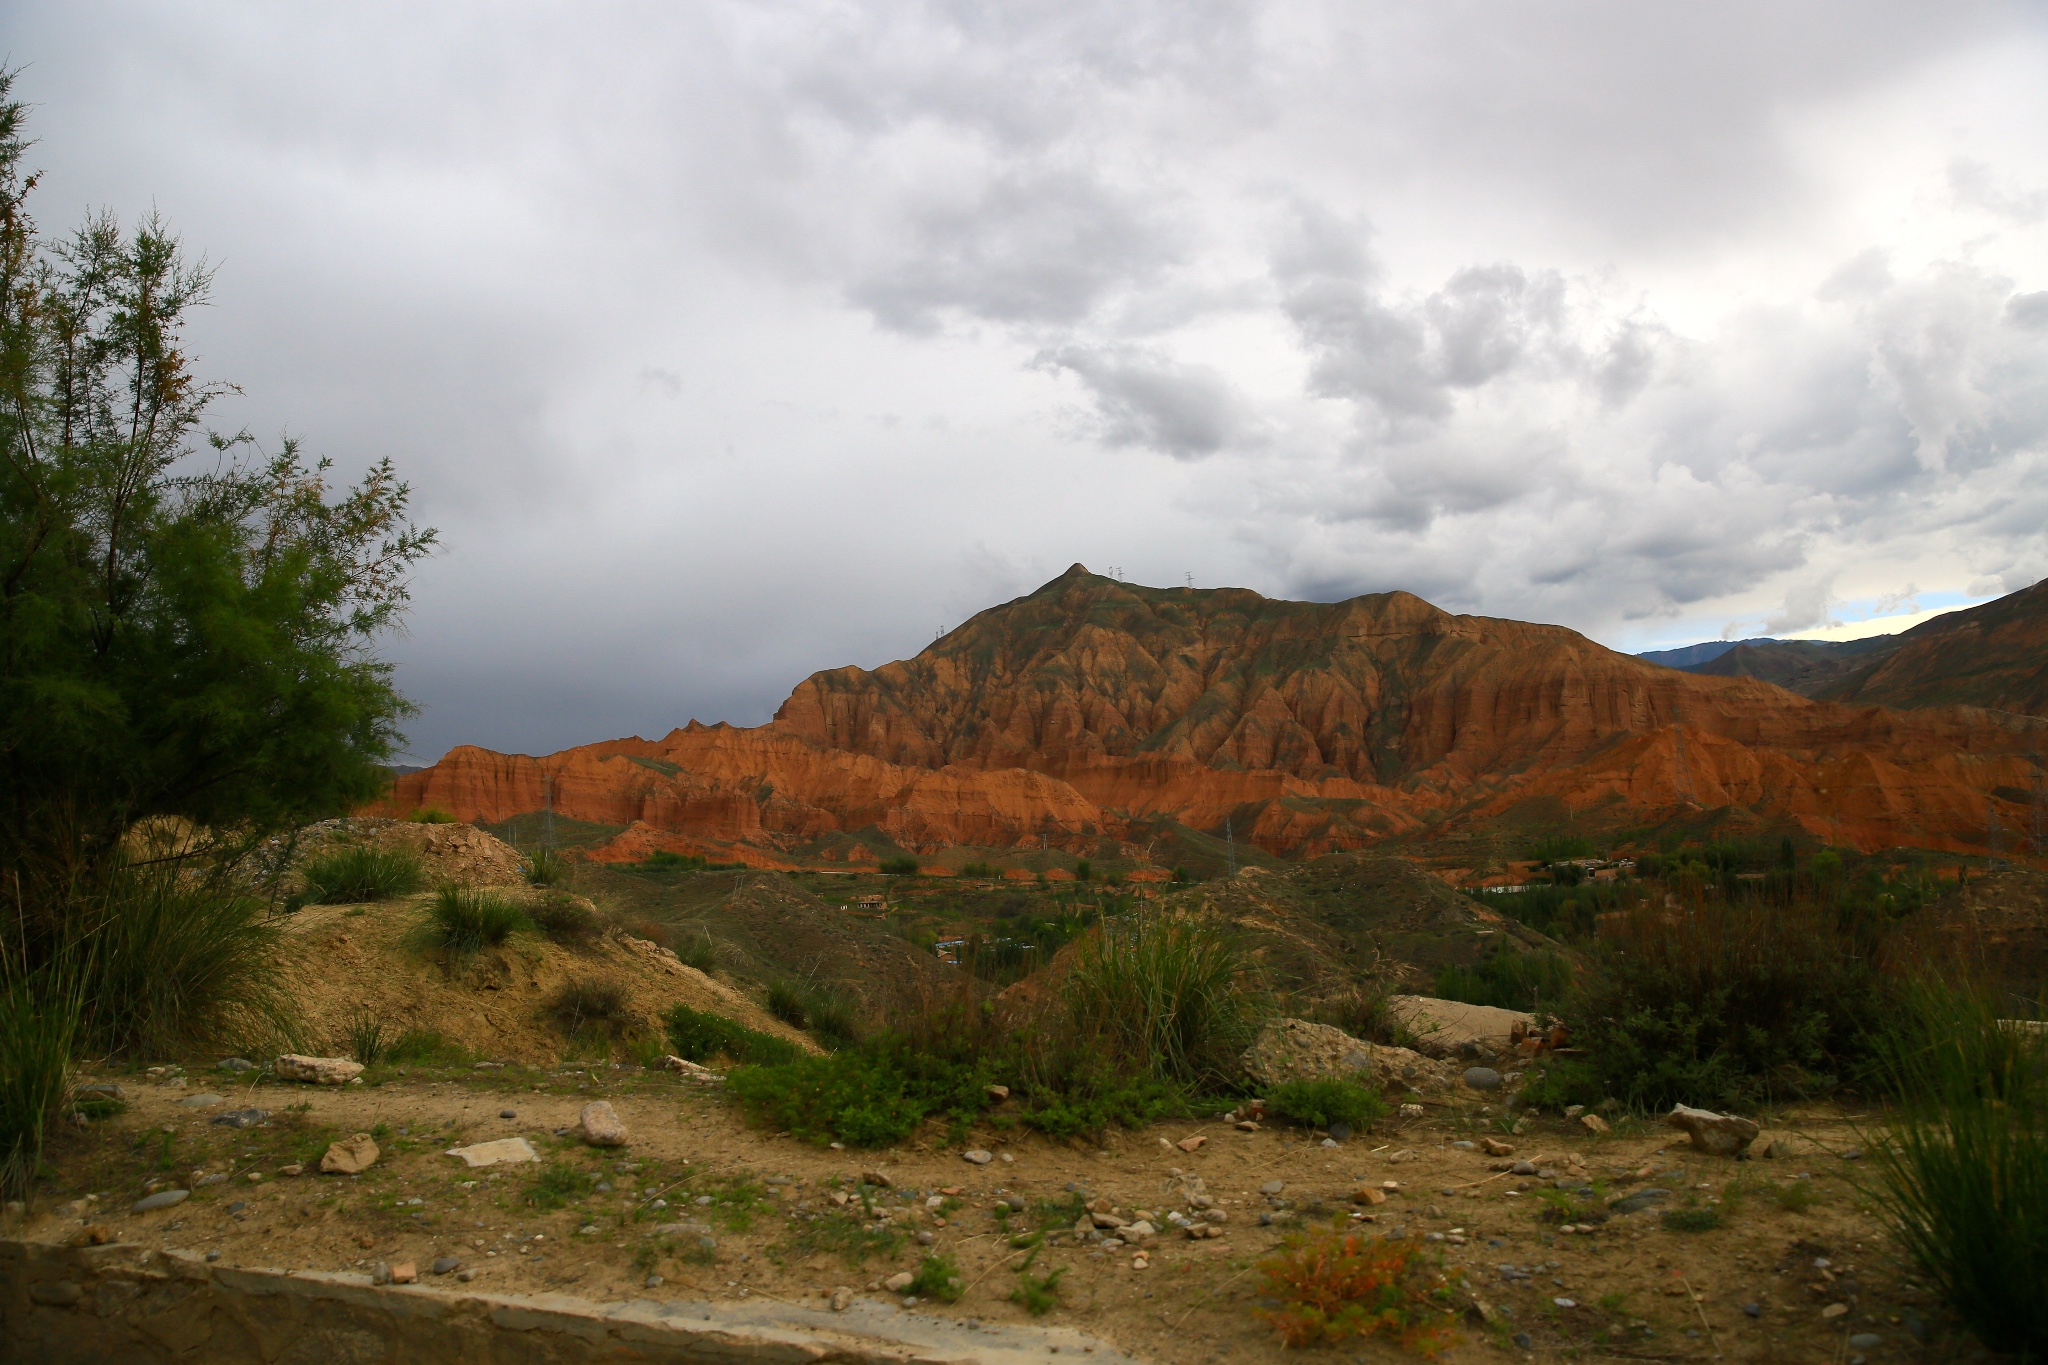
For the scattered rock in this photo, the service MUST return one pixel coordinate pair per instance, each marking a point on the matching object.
(293, 1169)
(879, 1179)
(503, 1152)
(1272, 1187)
(1189, 1144)
(899, 1282)
(1411, 1111)
(350, 1156)
(1834, 1310)
(1366, 1194)
(444, 1265)
(162, 1199)
(600, 1125)
(652, 1282)
(93, 1235)
(1593, 1123)
(1865, 1341)
(1340, 1130)
(1638, 1201)
(1482, 1078)
(978, 1157)
(465, 1275)
(1754, 1310)
(242, 1118)
(1572, 1111)
(688, 1070)
(236, 1064)
(1523, 1168)
(206, 1101)
(107, 1090)
(1495, 1147)
(1524, 1342)
(380, 1273)
(842, 1298)
(998, 1093)
(1721, 1134)
(317, 1070)
(404, 1272)
(925, 1239)
(508, 1113)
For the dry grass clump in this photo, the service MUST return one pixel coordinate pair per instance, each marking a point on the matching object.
(1331, 1286)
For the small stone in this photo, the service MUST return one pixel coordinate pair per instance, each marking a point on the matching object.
(879, 1179)
(444, 1265)
(1593, 1123)
(842, 1298)
(1466, 1146)
(465, 1275)
(1566, 1303)
(350, 1156)
(1522, 1168)
(1328, 1142)
(600, 1125)
(380, 1273)
(1721, 1134)
(1189, 1144)
(1411, 1111)
(1572, 1111)
(1482, 1078)
(1866, 1341)
(212, 1256)
(205, 1101)
(234, 1064)
(1340, 1130)
(237, 1207)
(1853, 1154)
(1495, 1147)
(1834, 1310)
(317, 1070)
(242, 1118)
(652, 1282)
(1272, 1187)
(162, 1199)
(978, 1157)
(508, 1113)
(404, 1272)
(505, 1151)
(899, 1282)
(1779, 1148)
(1525, 1342)
(925, 1239)
(998, 1093)
(293, 1169)
(1754, 1310)
(1366, 1194)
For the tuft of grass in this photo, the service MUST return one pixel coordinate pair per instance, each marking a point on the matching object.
(590, 1003)
(830, 1014)
(1365, 1012)
(558, 1185)
(431, 815)
(1037, 1294)
(1162, 993)
(938, 1277)
(468, 919)
(363, 1037)
(699, 952)
(360, 873)
(1330, 1286)
(1702, 1218)
(1795, 1196)
(1961, 1177)
(545, 867)
(565, 920)
(899, 867)
(39, 1021)
(789, 1002)
(1509, 979)
(1322, 1103)
(418, 1045)
(700, 1036)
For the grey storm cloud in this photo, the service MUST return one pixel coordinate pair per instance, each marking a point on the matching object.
(726, 342)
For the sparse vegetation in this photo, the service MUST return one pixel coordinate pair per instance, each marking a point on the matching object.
(565, 920)
(559, 1185)
(431, 815)
(938, 1277)
(1534, 981)
(1322, 1103)
(545, 867)
(1037, 1294)
(425, 1046)
(363, 1037)
(699, 1036)
(590, 1004)
(359, 873)
(899, 867)
(1160, 994)
(468, 919)
(1336, 1285)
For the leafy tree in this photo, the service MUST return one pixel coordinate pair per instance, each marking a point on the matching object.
(186, 622)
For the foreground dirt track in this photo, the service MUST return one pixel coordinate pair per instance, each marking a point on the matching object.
(747, 1216)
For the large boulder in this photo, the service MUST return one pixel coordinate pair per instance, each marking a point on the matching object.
(317, 1070)
(1721, 1134)
(1452, 1028)
(1298, 1050)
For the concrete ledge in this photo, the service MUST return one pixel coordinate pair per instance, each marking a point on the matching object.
(97, 1305)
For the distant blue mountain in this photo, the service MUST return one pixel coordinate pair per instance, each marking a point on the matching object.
(1688, 655)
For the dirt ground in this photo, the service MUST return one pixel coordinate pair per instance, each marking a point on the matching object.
(715, 1208)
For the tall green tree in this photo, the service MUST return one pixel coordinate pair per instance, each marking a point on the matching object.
(187, 623)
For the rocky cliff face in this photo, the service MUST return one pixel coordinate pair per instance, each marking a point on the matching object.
(1312, 727)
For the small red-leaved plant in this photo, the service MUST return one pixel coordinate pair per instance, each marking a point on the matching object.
(1338, 1284)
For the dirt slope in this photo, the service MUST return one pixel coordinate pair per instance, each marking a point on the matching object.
(1994, 655)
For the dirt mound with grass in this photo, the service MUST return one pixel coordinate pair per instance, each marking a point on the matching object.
(462, 854)
(349, 965)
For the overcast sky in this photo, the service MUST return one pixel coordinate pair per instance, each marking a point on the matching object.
(728, 342)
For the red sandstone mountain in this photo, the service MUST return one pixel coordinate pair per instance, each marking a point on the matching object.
(1311, 726)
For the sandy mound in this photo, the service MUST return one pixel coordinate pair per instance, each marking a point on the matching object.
(448, 853)
(346, 963)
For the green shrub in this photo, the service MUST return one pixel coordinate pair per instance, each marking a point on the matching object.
(866, 1096)
(431, 815)
(1161, 993)
(590, 1004)
(1560, 1082)
(1037, 1294)
(1727, 1005)
(545, 867)
(790, 1002)
(700, 1036)
(1961, 1176)
(830, 1014)
(899, 867)
(699, 952)
(468, 919)
(565, 920)
(1322, 1103)
(695, 862)
(1079, 1105)
(1083, 870)
(39, 1020)
(559, 1185)
(979, 870)
(1699, 1219)
(1509, 979)
(360, 873)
